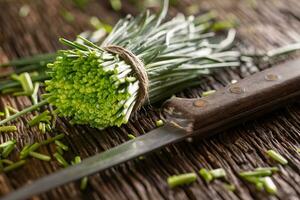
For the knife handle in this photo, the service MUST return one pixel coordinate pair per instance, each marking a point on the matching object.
(249, 98)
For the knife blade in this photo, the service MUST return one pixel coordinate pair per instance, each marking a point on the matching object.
(247, 99)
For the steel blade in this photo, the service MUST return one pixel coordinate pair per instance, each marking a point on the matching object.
(141, 145)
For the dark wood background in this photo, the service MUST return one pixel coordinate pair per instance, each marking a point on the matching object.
(263, 24)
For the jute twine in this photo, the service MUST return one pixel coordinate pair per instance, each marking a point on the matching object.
(139, 72)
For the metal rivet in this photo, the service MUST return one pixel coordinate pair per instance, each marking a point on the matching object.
(272, 77)
(236, 89)
(200, 103)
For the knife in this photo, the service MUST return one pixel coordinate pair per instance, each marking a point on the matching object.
(249, 98)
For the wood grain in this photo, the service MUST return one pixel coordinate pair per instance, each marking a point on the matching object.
(263, 25)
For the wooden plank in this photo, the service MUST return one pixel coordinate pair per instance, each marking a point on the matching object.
(263, 25)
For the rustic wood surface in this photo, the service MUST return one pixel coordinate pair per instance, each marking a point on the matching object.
(263, 25)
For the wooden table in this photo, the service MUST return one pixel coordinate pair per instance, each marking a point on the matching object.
(263, 24)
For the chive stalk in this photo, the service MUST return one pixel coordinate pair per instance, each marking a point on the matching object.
(259, 173)
(31, 148)
(61, 145)
(7, 150)
(39, 156)
(83, 183)
(14, 166)
(130, 136)
(159, 123)
(277, 157)
(182, 179)
(60, 160)
(206, 175)
(8, 128)
(6, 161)
(207, 93)
(218, 173)
(12, 110)
(10, 142)
(269, 185)
(53, 139)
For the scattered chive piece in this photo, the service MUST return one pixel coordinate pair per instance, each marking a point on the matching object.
(14, 166)
(130, 136)
(48, 127)
(269, 185)
(6, 111)
(10, 142)
(59, 150)
(12, 110)
(8, 128)
(2, 113)
(257, 181)
(52, 139)
(42, 127)
(259, 173)
(29, 149)
(207, 93)
(39, 156)
(229, 187)
(44, 117)
(7, 150)
(34, 96)
(6, 161)
(61, 145)
(277, 157)
(272, 169)
(61, 160)
(206, 175)
(159, 123)
(218, 173)
(25, 148)
(83, 183)
(181, 179)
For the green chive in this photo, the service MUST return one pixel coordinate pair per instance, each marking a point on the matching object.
(59, 150)
(258, 173)
(218, 173)
(2, 113)
(39, 156)
(269, 185)
(272, 169)
(10, 142)
(257, 181)
(159, 123)
(130, 136)
(277, 157)
(37, 119)
(61, 160)
(52, 139)
(12, 110)
(34, 96)
(6, 111)
(229, 187)
(6, 161)
(207, 93)
(83, 183)
(206, 175)
(29, 149)
(61, 145)
(42, 127)
(8, 128)
(182, 179)
(14, 166)
(7, 150)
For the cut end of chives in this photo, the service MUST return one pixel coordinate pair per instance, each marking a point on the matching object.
(277, 157)
(206, 175)
(218, 173)
(182, 179)
(159, 123)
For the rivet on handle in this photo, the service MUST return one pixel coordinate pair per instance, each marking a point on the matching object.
(236, 89)
(272, 77)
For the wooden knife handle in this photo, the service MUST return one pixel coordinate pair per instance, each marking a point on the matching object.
(249, 98)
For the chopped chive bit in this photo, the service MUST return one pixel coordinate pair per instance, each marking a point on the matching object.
(159, 123)
(10, 142)
(61, 160)
(83, 183)
(259, 173)
(130, 136)
(277, 157)
(2, 114)
(8, 128)
(6, 161)
(218, 173)
(59, 150)
(207, 93)
(14, 166)
(12, 110)
(61, 145)
(8, 149)
(182, 179)
(42, 127)
(39, 156)
(27, 149)
(272, 169)
(44, 117)
(6, 112)
(206, 175)
(52, 139)
(229, 187)
(257, 181)
(269, 185)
